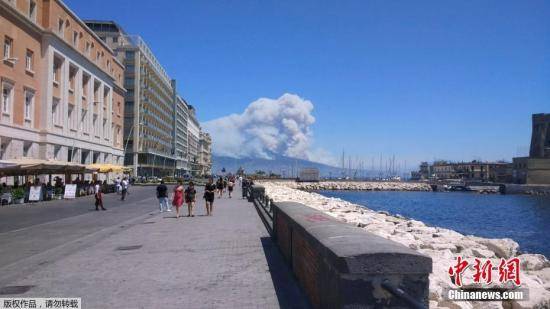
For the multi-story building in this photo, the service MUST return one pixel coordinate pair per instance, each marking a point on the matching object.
(535, 169)
(471, 171)
(62, 92)
(150, 103)
(181, 137)
(205, 154)
(193, 138)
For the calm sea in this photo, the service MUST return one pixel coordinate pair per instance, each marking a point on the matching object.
(525, 219)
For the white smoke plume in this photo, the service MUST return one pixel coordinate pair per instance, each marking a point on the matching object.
(265, 128)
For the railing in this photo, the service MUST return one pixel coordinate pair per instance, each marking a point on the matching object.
(262, 202)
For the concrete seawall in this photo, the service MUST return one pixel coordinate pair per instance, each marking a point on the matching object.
(339, 265)
(528, 189)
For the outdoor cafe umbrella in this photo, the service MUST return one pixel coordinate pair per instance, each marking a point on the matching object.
(106, 167)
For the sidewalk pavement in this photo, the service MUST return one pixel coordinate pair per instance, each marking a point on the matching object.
(227, 260)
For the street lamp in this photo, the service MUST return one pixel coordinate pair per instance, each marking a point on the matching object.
(128, 139)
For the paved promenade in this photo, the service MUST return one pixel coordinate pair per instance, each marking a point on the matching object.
(131, 256)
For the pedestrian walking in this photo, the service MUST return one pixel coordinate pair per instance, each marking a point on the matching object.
(224, 184)
(209, 195)
(219, 186)
(98, 196)
(117, 185)
(190, 194)
(162, 196)
(230, 186)
(124, 187)
(177, 201)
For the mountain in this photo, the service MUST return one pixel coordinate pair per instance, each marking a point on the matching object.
(281, 165)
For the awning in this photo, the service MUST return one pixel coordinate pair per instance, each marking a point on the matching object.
(28, 166)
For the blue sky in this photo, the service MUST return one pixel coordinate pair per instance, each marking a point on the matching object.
(454, 80)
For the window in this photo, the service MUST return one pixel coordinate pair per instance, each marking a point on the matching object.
(27, 149)
(56, 70)
(95, 125)
(29, 60)
(75, 39)
(61, 27)
(105, 132)
(32, 10)
(72, 117)
(8, 46)
(4, 145)
(117, 135)
(7, 97)
(85, 80)
(115, 39)
(72, 77)
(87, 49)
(56, 152)
(56, 112)
(83, 118)
(29, 104)
(97, 56)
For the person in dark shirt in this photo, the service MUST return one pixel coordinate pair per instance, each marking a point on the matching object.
(209, 195)
(190, 194)
(162, 195)
(219, 186)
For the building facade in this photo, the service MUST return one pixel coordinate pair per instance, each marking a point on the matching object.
(193, 139)
(149, 103)
(62, 92)
(205, 154)
(535, 169)
(540, 137)
(181, 137)
(467, 171)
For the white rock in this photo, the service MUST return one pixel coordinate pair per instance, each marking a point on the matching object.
(533, 261)
(539, 297)
(482, 253)
(503, 248)
(543, 275)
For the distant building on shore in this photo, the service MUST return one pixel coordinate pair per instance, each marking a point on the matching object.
(468, 171)
(535, 169)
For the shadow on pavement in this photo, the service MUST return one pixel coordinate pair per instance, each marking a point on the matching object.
(288, 292)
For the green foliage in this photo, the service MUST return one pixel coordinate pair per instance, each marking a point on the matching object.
(18, 193)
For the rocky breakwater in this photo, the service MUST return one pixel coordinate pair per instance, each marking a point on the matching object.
(442, 245)
(358, 186)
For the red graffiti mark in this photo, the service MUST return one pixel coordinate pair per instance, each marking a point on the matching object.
(316, 218)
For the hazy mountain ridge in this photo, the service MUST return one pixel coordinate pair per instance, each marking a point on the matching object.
(282, 165)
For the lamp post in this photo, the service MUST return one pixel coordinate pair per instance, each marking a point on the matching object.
(128, 139)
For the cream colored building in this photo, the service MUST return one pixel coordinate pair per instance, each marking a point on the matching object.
(205, 154)
(62, 92)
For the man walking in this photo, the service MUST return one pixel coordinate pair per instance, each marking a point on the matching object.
(162, 195)
(98, 196)
(124, 187)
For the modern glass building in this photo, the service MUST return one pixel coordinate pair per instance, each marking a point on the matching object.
(150, 114)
